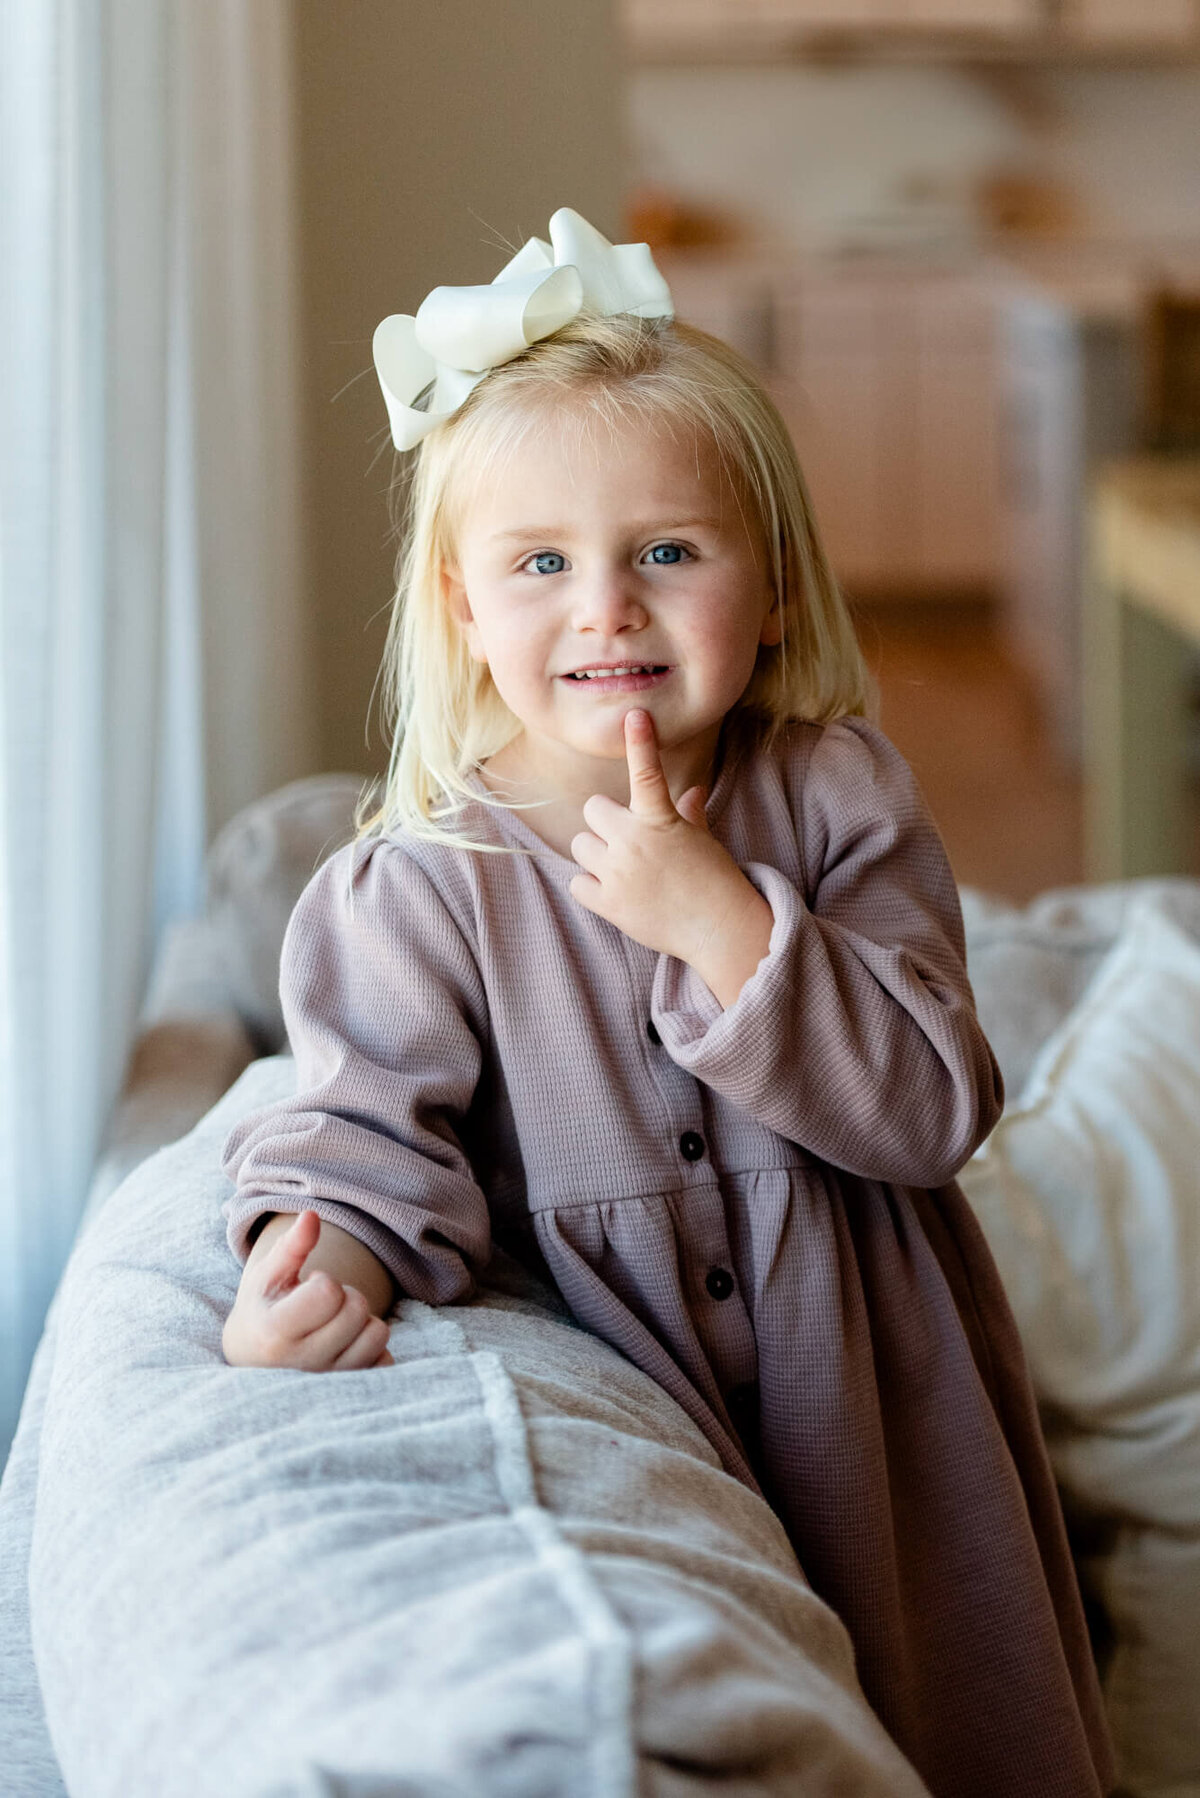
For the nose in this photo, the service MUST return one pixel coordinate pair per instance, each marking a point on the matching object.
(608, 602)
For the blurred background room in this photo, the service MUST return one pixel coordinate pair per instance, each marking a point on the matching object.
(960, 238)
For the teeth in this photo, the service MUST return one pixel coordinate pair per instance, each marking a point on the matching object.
(607, 673)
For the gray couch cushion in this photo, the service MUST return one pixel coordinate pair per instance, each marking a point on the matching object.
(228, 959)
(506, 1565)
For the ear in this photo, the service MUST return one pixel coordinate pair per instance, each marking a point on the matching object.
(454, 592)
(772, 628)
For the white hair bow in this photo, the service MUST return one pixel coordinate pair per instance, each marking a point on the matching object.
(459, 333)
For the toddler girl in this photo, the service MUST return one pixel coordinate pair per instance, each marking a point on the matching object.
(651, 968)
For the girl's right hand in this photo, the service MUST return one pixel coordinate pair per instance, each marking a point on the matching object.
(284, 1317)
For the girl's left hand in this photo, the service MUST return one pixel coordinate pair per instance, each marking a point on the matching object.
(653, 870)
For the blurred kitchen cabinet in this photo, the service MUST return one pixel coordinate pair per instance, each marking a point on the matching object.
(888, 386)
(828, 382)
(731, 297)
(956, 439)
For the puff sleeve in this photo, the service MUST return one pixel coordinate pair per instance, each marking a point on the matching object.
(856, 1036)
(385, 1013)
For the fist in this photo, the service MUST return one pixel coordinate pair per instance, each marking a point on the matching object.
(286, 1317)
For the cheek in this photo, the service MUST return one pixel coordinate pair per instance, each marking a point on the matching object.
(727, 630)
(515, 656)
(489, 630)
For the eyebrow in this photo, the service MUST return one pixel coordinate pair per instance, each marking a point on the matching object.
(521, 532)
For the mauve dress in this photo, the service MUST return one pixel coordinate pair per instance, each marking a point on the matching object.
(756, 1205)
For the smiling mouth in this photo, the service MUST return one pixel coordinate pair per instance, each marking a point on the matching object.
(626, 668)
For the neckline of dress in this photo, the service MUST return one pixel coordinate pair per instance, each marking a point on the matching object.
(513, 823)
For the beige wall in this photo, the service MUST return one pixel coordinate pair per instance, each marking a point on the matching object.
(427, 131)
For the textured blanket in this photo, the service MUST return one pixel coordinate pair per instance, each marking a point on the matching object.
(507, 1565)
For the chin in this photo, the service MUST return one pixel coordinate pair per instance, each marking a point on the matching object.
(607, 745)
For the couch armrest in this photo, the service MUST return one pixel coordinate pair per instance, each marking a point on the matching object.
(178, 1069)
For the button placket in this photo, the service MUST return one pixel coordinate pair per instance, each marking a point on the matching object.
(677, 1090)
(723, 1326)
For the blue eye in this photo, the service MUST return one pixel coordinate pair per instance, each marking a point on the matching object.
(666, 554)
(549, 556)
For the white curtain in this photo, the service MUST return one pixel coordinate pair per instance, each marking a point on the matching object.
(152, 654)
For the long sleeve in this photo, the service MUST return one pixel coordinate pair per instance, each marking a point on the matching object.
(856, 1036)
(385, 1013)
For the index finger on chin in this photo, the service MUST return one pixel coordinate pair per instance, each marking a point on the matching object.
(649, 794)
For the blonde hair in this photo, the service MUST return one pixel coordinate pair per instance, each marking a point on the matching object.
(444, 713)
